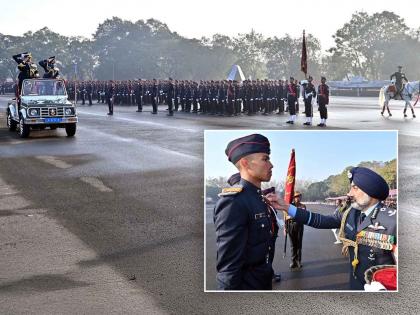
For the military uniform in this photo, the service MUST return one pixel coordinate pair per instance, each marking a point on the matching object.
(291, 100)
(323, 100)
(27, 69)
(368, 241)
(50, 71)
(170, 97)
(309, 93)
(295, 231)
(246, 226)
(399, 77)
(245, 236)
(110, 93)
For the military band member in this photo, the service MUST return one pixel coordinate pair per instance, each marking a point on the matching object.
(170, 97)
(367, 227)
(323, 100)
(245, 225)
(309, 93)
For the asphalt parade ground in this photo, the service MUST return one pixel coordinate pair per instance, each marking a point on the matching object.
(112, 220)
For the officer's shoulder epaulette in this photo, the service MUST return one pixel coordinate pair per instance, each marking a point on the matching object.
(231, 191)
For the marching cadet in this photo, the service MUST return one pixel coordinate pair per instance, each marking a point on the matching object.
(238, 97)
(309, 93)
(170, 96)
(245, 224)
(89, 92)
(291, 100)
(204, 104)
(27, 69)
(195, 97)
(138, 91)
(230, 91)
(367, 228)
(323, 100)
(110, 94)
(154, 96)
(51, 72)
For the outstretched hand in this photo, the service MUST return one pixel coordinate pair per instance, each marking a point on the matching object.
(276, 202)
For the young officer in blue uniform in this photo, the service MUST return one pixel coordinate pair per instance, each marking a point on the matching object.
(246, 226)
(367, 229)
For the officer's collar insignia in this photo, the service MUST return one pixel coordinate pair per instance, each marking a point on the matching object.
(349, 174)
(392, 212)
(376, 226)
(229, 191)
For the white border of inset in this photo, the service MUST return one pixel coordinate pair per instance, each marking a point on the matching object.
(286, 131)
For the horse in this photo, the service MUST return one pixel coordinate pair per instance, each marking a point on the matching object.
(389, 92)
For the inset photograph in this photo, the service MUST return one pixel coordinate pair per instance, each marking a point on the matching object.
(300, 210)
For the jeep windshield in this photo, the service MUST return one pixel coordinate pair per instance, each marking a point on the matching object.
(43, 88)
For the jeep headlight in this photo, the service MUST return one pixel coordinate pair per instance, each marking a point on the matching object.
(69, 111)
(33, 112)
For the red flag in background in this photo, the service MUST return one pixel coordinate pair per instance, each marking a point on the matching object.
(304, 57)
(289, 189)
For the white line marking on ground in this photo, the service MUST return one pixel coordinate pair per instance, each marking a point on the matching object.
(54, 161)
(96, 183)
(139, 122)
(150, 148)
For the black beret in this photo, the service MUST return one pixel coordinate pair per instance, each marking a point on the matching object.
(370, 182)
(238, 148)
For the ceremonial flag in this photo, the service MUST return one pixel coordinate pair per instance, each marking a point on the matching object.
(304, 57)
(289, 188)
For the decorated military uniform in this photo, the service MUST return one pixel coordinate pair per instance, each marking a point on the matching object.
(369, 241)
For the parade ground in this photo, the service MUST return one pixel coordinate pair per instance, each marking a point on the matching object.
(112, 220)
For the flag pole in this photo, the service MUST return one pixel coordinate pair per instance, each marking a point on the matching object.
(304, 57)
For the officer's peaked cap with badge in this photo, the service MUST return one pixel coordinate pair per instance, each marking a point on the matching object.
(370, 182)
(238, 148)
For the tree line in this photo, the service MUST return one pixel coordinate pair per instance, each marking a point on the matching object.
(333, 186)
(368, 45)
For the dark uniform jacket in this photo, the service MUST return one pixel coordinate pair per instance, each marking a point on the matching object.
(244, 236)
(323, 94)
(376, 234)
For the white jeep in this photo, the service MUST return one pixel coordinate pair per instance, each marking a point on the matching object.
(42, 103)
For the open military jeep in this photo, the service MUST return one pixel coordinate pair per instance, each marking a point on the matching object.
(42, 103)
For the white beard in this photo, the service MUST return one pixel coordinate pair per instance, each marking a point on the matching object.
(363, 203)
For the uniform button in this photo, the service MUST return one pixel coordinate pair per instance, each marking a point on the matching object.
(269, 247)
(262, 225)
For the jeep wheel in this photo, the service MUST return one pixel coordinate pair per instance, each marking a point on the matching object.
(23, 128)
(70, 130)
(11, 124)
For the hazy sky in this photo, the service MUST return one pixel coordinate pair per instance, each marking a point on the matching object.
(199, 18)
(318, 153)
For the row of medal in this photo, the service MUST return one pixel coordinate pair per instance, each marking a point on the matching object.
(377, 240)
